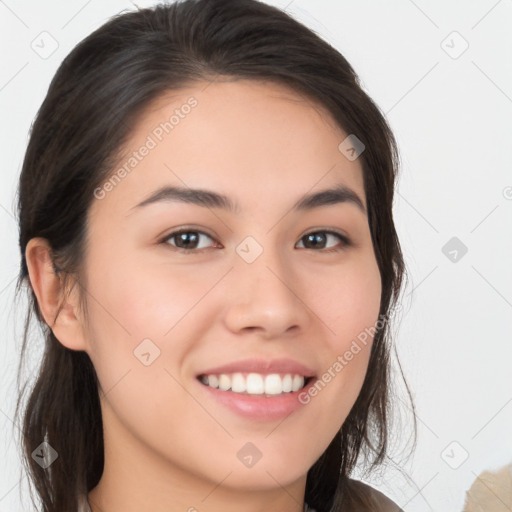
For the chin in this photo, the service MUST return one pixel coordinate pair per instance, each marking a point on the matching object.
(263, 479)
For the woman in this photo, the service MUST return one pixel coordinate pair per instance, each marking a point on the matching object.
(207, 235)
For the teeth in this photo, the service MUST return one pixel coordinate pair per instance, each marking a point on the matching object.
(298, 382)
(287, 383)
(238, 383)
(273, 384)
(255, 383)
(224, 382)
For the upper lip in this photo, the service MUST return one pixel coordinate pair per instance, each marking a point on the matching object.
(263, 366)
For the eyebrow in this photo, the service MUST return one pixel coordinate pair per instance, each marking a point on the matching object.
(211, 199)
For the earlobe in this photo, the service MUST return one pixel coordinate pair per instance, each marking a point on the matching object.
(58, 308)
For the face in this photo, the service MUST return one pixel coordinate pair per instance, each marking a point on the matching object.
(222, 329)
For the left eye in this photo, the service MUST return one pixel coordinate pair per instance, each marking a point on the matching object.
(316, 238)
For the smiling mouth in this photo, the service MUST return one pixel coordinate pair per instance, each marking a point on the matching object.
(268, 385)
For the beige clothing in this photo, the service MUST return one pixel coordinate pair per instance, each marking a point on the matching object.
(491, 492)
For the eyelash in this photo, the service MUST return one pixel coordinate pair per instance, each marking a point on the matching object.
(345, 241)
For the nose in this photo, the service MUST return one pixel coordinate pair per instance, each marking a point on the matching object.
(265, 297)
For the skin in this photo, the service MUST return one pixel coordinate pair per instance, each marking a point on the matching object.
(168, 446)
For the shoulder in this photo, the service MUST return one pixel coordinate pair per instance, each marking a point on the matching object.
(369, 499)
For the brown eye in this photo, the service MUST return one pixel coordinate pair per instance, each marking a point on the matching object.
(319, 239)
(187, 240)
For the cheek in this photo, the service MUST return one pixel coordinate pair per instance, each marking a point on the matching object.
(137, 300)
(157, 299)
(349, 309)
(135, 309)
(131, 308)
(348, 302)
(357, 323)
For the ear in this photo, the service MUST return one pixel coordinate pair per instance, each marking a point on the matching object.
(59, 307)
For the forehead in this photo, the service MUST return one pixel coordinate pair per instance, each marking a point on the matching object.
(257, 142)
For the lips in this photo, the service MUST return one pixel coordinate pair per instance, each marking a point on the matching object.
(261, 366)
(258, 389)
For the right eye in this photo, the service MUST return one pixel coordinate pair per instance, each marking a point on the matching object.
(187, 240)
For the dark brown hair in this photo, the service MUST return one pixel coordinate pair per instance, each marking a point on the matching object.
(98, 92)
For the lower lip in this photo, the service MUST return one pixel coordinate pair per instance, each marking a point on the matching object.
(259, 407)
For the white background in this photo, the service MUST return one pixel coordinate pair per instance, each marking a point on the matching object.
(453, 121)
